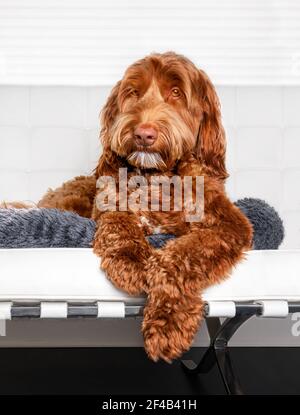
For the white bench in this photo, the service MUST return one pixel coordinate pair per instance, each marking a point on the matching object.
(62, 283)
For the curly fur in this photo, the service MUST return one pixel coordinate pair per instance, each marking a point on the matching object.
(190, 142)
(76, 195)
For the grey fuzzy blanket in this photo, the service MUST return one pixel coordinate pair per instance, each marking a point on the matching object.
(44, 228)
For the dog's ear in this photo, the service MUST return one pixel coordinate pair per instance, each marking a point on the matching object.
(108, 114)
(108, 163)
(211, 140)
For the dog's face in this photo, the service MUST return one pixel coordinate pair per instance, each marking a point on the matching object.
(163, 108)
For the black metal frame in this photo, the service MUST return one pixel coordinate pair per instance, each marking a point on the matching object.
(75, 310)
(220, 333)
(219, 353)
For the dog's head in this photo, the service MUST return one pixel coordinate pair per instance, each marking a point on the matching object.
(163, 108)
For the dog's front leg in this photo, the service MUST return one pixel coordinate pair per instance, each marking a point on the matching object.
(124, 251)
(178, 274)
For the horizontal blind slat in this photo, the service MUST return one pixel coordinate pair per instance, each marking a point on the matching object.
(89, 42)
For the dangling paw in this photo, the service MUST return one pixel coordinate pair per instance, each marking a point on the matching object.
(169, 328)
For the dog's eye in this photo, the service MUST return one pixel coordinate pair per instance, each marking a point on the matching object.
(134, 93)
(175, 92)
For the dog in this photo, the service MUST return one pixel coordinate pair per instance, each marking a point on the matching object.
(162, 119)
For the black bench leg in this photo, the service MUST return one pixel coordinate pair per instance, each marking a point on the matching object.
(218, 353)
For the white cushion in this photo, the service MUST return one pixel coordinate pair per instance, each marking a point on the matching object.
(73, 274)
(263, 275)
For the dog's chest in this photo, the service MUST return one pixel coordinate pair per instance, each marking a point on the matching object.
(157, 205)
(162, 222)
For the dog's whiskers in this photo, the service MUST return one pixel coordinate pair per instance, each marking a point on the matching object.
(146, 160)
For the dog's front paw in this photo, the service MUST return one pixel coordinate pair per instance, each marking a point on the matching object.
(169, 330)
(125, 270)
(123, 258)
(158, 273)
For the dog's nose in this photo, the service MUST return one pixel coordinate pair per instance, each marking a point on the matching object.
(144, 135)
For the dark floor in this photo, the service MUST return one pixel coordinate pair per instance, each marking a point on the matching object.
(128, 371)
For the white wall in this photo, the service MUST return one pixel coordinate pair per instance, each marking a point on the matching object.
(50, 134)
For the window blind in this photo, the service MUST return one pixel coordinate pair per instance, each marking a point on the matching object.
(91, 42)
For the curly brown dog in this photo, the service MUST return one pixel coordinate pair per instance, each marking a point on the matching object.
(163, 119)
